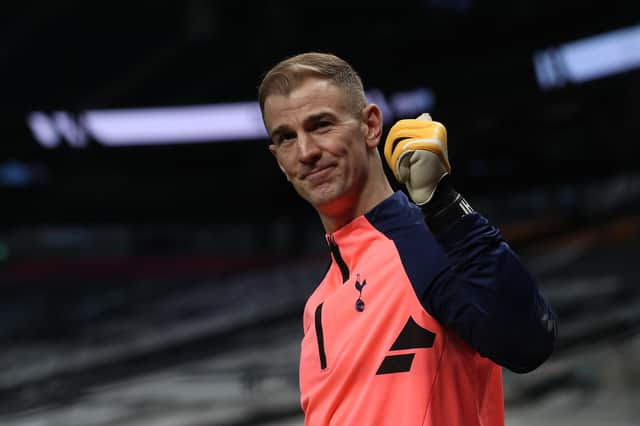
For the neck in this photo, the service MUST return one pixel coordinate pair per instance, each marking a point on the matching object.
(375, 190)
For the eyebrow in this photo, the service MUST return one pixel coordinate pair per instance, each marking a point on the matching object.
(319, 116)
(283, 128)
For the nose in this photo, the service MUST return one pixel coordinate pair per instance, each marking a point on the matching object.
(308, 149)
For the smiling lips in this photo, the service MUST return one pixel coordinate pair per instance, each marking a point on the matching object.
(318, 174)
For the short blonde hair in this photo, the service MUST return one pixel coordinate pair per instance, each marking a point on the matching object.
(289, 74)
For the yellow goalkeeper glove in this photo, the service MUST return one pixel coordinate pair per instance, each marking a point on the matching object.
(416, 152)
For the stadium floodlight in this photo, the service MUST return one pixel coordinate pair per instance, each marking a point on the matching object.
(43, 130)
(588, 59)
(171, 125)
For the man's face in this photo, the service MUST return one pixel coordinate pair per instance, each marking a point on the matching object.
(318, 142)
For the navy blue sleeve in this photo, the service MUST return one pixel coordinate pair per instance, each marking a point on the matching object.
(488, 296)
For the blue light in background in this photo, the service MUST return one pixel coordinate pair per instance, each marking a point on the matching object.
(16, 174)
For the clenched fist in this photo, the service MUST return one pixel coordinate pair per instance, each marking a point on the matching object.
(416, 152)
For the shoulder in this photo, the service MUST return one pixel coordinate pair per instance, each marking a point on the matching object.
(402, 222)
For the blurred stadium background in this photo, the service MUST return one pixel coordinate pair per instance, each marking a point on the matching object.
(154, 263)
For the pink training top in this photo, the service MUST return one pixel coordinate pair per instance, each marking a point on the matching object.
(371, 353)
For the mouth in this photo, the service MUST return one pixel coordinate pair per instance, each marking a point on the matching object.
(318, 173)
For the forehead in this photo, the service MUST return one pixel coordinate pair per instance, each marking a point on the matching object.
(309, 97)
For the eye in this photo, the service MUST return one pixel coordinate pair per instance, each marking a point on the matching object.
(321, 125)
(285, 137)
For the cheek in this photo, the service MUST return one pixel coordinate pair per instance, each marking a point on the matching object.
(357, 154)
(286, 163)
(343, 149)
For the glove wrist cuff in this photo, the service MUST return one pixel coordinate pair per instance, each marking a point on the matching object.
(445, 207)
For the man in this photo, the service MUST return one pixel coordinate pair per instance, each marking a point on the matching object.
(423, 301)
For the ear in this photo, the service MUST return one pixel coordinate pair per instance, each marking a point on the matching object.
(274, 150)
(372, 120)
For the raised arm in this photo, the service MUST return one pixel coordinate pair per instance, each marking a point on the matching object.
(486, 293)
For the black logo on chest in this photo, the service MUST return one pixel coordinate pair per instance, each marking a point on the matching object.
(412, 336)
